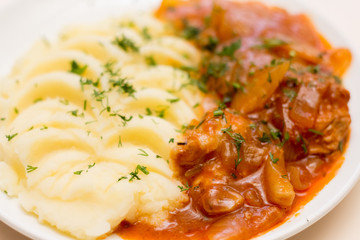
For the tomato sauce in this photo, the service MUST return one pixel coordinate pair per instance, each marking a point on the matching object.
(275, 127)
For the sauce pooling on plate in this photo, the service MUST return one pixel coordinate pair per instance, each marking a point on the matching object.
(276, 120)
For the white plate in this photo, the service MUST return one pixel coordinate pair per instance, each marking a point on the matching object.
(23, 22)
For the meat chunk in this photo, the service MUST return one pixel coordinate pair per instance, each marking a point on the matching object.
(244, 224)
(220, 199)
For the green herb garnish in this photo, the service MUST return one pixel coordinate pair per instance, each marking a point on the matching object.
(78, 172)
(265, 138)
(30, 168)
(316, 132)
(173, 100)
(121, 178)
(145, 33)
(134, 175)
(184, 188)
(274, 160)
(76, 68)
(11, 136)
(270, 43)
(230, 50)
(143, 153)
(150, 61)
(126, 44)
(290, 93)
(238, 140)
(123, 86)
(190, 32)
(216, 70)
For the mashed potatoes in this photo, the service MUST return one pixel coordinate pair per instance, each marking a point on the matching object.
(87, 124)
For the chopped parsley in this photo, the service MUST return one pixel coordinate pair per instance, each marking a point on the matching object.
(200, 123)
(230, 50)
(121, 178)
(201, 86)
(290, 93)
(74, 112)
(184, 188)
(196, 105)
(189, 69)
(274, 160)
(91, 166)
(38, 100)
(76, 68)
(145, 33)
(161, 112)
(316, 132)
(143, 153)
(44, 127)
(171, 140)
(303, 145)
(78, 172)
(150, 61)
(236, 85)
(252, 126)
(85, 81)
(292, 82)
(123, 86)
(98, 95)
(211, 44)
(11, 136)
(30, 168)
(341, 146)
(85, 105)
(265, 138)
(190, 32)
(148, 111)
(122, 117)
(109, 69)
(273, 62)
(275, 134)
(119, 142)
(134, 174)
(285, 139)
(218, 113)
(270, 43)
(337, 79)
(313, 69)
(238, 140)
(251, 72)
(64, 101)
(126, 44)
(216, 69)
(173, 100)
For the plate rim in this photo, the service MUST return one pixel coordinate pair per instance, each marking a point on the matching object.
(328, 206)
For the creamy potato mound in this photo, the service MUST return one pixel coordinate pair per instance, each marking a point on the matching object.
(87, 124)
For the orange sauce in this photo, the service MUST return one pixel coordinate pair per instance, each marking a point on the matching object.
(303, 198)
(141, 231)
(190, 221)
